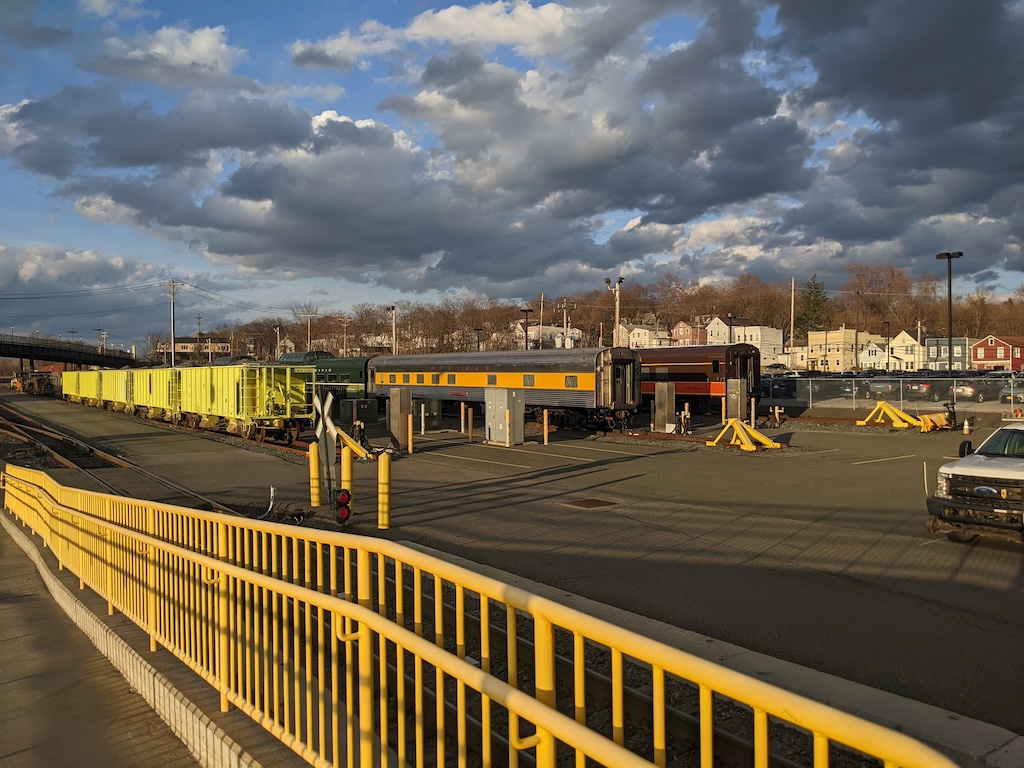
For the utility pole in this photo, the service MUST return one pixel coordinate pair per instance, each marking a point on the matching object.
(309, 330)
(277, 349)
(540, 329)
(565, 307)
(173, 344)
(99, 339)
(344, 326)
(199, 335)
(792, 317)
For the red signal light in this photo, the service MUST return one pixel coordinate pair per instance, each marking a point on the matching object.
(344, 508)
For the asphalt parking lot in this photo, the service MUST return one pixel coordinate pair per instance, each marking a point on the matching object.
(815, 555)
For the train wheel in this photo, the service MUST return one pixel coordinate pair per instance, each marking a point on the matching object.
(261, 434)
(291, 433)
(248, 431)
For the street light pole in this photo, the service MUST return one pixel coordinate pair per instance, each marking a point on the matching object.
(949, 300)
(526, 327)
(394, 329)
(478, 330)
(614, 288)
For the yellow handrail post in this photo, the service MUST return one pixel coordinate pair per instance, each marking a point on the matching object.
(384, 492)
(108, 562)
(544, 680)
(314, 474)
(471, 425)
(151, 579)
(223, 618)
(364, 580)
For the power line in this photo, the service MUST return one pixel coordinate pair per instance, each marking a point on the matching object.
(82, 292)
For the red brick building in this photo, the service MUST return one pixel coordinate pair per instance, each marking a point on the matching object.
(995, 353)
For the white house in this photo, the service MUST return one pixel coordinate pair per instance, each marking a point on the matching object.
(642, 336)
(740, 330)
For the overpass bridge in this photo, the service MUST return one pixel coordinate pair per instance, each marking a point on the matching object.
(79, 354)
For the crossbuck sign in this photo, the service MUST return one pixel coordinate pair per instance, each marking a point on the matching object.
(327, 436)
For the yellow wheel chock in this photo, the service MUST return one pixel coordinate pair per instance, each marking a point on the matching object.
(744, 436)
(899, 419)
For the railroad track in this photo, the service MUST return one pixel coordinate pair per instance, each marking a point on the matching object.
(77, 454)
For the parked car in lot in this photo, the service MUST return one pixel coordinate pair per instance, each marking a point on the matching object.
(982, 389)
(832, 385)
(1012, 392)
(879, 388)
(927, 388)
(779, 386)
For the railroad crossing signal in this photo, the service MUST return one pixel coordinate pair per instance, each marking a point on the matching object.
(327, 436)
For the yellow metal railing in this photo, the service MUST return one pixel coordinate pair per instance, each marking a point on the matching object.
(352, 648)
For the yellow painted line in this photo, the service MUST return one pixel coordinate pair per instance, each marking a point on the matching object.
(482, 461)
(888, 458)
(545, 453)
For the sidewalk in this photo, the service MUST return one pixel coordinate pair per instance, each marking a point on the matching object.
(92, 695)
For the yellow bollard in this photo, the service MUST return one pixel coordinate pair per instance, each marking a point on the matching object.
(545, 426)
(346, 471)
(384, 492)
(508, 427)
(462, 418)
(471, 425)
(314, 474)
(411, 430)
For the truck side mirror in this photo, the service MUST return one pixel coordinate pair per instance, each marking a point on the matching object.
(966, 449)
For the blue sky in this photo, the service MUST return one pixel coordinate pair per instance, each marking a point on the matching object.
(334, 153)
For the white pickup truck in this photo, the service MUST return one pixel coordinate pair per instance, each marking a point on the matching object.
(982, 493)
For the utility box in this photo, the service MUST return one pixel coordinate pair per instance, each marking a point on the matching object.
(663, 417)
(504, 416)
(348, 412)
(399, 412)
(737, 404)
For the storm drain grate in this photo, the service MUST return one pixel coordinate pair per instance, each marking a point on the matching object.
(589, 503)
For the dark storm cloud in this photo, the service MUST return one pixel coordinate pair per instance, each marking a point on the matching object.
(18, 26)
(64, 131)
(138, 137)
(50, 130)
(943, 60)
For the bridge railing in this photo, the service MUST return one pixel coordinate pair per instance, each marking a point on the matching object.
(70, 346)
(349, 647)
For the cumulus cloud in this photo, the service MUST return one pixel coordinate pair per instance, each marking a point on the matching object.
(731, 135)
(548, 29)
(171, 56)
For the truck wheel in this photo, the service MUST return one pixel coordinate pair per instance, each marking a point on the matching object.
(961, 537)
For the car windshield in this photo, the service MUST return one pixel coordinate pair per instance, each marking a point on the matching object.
(1004, 442)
